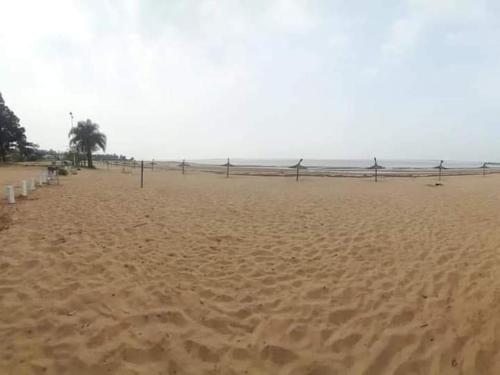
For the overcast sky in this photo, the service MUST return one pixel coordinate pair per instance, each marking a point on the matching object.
(261, 79)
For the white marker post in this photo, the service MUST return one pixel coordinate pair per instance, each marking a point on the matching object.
(40, 180)
(9, 192)
(24, 188)
(32, 184)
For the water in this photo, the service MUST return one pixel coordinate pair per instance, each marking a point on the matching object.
(343, 164)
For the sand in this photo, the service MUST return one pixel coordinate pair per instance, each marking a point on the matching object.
(12, 175)
(199, 274)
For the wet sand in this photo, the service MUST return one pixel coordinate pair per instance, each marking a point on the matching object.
(199, 274)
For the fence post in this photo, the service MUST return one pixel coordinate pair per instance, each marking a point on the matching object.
(9, 191)
(298, 167)
(142, 174)
(33, 184)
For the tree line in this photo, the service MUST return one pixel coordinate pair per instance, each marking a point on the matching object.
(13, 139)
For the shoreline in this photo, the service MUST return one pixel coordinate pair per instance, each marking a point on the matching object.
(266, 171)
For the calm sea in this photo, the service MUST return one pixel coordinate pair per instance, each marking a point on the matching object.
(340, 164)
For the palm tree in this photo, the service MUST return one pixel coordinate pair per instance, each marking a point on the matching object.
(87, 138)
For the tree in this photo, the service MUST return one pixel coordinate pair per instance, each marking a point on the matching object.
(87, 138)
(27, 150)
(12, 134)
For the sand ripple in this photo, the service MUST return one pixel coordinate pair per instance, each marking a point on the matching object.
(197, 274)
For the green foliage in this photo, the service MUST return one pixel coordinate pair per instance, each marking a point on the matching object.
(62, 171)
(104, 157)
(86, 138)
(13, 140)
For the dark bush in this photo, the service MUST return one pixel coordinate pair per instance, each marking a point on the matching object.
(62, 171)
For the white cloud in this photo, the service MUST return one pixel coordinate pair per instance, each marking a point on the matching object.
(403, 36)
(422, 17)
(455, 11)
(244, 75)
(294, 16)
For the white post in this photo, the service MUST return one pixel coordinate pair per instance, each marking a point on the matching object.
(33, 184)
(24, 188)
(40, 180)
(9, 190)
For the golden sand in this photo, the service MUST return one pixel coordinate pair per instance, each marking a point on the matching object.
(199, 274)
(13, 175)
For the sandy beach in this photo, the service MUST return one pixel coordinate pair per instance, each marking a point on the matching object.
(199, 274)
(12, 175)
